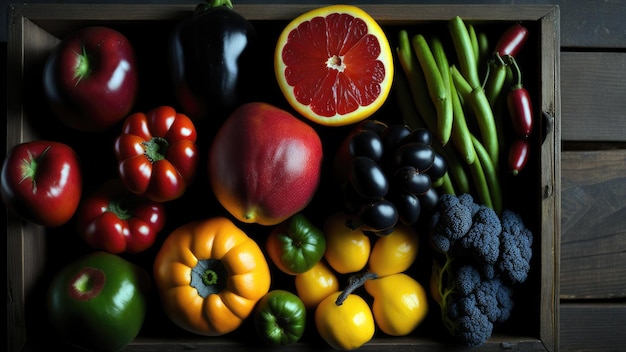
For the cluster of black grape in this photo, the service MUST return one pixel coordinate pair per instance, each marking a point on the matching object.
(388, 174)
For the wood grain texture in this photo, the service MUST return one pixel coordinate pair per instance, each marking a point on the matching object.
(593, 243)
(592, 23)
(593, 327)
(593, 91)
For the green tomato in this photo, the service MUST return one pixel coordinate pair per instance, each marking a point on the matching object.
(98, 302)
(296, 245)
(280, 318)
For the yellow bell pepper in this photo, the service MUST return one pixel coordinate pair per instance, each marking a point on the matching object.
(210, 275)
(346, 326)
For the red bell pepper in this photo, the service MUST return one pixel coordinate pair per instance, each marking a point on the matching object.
(115, 220)
(157, 153)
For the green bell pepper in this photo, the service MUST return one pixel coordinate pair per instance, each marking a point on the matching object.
(98, 302)
(280, 318)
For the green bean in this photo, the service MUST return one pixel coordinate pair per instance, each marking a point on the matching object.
(474, 40)
(445, 184)
(456, 168)
(436, 87)
(491, 175)
(483, 54)
(483, 46)
(495, 80)
(464, 50)
(416, 81)
(483, 113)
(486, 123)
(409, 113)
(480, 183)
(461, 136)
(462, 86)
(441, 60)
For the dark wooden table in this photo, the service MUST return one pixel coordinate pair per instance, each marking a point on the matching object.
(593, 180)
(593, 170)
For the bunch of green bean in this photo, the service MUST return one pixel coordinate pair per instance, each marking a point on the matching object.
(449, 98)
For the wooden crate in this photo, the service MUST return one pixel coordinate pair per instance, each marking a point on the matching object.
(33, 253)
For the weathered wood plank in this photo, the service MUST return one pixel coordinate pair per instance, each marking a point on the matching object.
(586, 23)
(593, 327)
(593, 91)
(591, 23)
(593, 224)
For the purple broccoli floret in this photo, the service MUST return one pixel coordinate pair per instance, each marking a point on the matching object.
(515, 248)
(475, 306)
(451, 220)
(483, 239)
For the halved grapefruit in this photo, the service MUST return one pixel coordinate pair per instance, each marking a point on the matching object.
(334, 65)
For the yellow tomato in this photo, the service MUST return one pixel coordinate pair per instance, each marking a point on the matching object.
(347, 326)
(400, 303)
(316, 284)
(347, 250)
(395, 252)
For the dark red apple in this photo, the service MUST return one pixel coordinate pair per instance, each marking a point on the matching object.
(264, 164)
(90, 79)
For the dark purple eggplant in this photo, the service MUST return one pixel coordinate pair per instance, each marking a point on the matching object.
(211, 58)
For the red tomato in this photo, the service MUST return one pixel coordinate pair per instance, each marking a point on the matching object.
(42, 182)
(115, 220)
(157, 153)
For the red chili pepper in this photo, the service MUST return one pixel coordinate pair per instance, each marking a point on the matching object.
(115, 220)
(519, 105)
(518, 155)
(511, 41)
(157, 153)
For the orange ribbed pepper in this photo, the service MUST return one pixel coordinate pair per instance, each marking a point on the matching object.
(210, 275)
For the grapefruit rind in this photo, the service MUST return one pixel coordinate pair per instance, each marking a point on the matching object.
(385, 58)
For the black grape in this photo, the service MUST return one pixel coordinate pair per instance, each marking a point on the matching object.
(393, 135)
(439, 167)
(420, 135)
(418, 155)
(366, 143)
(377, 216)
(410, 180)
(429, 200)
(408, 207)
(367, 178)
